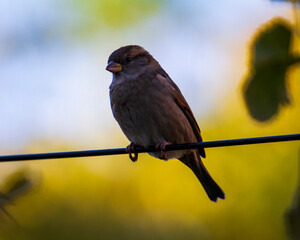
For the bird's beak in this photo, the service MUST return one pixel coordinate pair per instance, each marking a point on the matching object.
(114, 67)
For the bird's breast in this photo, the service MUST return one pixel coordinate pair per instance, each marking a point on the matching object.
(148, 114)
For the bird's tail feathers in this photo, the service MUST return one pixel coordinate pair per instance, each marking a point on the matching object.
(194, 162)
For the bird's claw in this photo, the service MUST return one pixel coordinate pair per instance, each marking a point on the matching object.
(131, 150)
(162, 147)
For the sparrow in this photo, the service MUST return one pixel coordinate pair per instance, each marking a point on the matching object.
(151, 111)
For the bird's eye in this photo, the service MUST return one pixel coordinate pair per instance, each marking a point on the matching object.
(128, 59)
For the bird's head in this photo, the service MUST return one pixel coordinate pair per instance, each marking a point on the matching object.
(130, 61)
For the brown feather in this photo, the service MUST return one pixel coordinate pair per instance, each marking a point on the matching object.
(212, 189)
(185, 108)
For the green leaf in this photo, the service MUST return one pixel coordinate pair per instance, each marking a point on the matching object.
(265, 89)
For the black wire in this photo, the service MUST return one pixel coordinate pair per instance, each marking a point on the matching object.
(114, 151)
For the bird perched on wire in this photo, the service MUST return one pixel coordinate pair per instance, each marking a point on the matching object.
(152, 111)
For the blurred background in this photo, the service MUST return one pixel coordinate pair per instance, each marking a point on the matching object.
(54, 97)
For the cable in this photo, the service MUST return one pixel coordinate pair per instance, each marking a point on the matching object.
(114, 151)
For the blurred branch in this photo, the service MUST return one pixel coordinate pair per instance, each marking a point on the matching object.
(294, 60)
(295, 12)
(16, 185)
(171, 147)
(293, 213)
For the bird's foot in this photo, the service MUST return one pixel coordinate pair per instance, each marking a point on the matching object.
(162, 147)
(131, 150)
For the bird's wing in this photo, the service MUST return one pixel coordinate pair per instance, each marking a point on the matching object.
(185, 108)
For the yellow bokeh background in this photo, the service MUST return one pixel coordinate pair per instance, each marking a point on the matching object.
(110, 197)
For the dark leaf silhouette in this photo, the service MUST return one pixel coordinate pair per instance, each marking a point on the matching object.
(265, 88)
